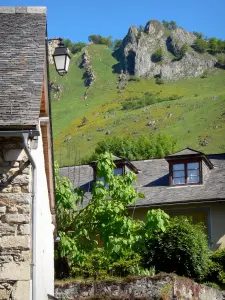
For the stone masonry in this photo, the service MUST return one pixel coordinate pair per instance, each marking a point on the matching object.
(15, 220)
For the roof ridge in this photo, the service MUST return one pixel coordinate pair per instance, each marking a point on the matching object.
(23, 10)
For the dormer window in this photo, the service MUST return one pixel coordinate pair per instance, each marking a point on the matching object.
(122, 167)
(186, 173)
(188, 167)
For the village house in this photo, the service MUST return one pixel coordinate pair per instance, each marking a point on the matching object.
(186, 183)
(27, 208)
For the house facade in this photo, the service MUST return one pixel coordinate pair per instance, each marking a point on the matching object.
(27, 209)
(185, 183)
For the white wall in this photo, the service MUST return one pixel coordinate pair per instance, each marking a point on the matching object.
(45, 242)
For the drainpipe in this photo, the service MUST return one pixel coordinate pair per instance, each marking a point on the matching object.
(34, 217)
(25, 134)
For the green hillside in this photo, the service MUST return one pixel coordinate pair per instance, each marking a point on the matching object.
(192, 110)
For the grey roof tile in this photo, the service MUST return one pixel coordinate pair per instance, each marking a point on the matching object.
(153, 181)
(22, 55)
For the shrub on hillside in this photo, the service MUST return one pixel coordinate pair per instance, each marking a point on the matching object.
(169, 25)
(77, 47)
(159, 80)
(200, 45)
(157, 56)
(182, 248)
(183, 50)
(101, 40)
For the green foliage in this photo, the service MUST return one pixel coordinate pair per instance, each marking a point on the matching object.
(213, 45)
(77, 47)
(98, 264)
(101, 40)
(143, 147)
(212, 285)
(183, 50)
(182, 248)
(199, 35)
(157, 56)
(67, 43)
(74, 47)
(116, 44)
(140, 30)
(67, 113)
(200, 45)
(149, 99)
(159, 80)
(221, 59)
(171, 25)
(105, 222)
(64, 195)
(217, 267)
(205, 73)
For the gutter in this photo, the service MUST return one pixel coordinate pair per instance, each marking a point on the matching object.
(188, 202)
(26, 134)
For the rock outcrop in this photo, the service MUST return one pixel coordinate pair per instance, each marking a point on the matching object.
(138, 48)
(89, 75)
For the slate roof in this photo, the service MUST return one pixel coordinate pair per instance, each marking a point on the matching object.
(22, 56)
(186, 151)
(153, 181)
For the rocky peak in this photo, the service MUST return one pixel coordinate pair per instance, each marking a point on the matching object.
(179, 37)
(154, 27)
(138, 50)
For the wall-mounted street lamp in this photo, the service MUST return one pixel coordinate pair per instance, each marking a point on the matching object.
(61, 58)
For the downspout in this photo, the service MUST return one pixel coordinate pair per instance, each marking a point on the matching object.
(34, 217)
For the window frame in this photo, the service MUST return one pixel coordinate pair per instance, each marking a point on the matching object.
(185, 162)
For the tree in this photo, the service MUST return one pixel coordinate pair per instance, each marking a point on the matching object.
(169, 25)
(116, 44)
(77, 47)
(98, 39)
(199, 35)
(200, 45)
(67, 43)
(104, 220)
(143, 147)
(213, 45)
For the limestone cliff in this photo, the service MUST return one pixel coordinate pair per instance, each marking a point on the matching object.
(138, 48)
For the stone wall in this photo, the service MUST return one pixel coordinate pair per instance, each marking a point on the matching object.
(15, 220)
(159, 287)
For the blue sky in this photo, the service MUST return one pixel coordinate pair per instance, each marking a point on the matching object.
(78, 19)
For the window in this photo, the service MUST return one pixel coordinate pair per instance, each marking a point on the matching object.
(117, 171)
(186, 173)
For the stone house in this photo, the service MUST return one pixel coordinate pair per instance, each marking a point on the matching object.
(27, 211)
(185, 183)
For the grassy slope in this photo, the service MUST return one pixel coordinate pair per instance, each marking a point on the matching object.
(194, 117)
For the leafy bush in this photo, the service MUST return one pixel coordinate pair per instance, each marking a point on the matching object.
(182, 248)
(132, 148)
(77, 47)
(221, 59)
(157, 56)
(101, 40)
(217, 267)
(205, 73)
(159, 80)
(169, 25)
(199, 35)
(183, 50)
(149, 99)
(200, 45)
